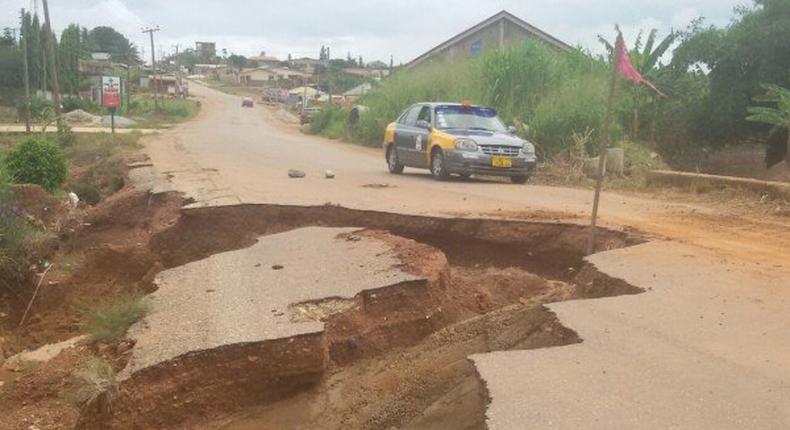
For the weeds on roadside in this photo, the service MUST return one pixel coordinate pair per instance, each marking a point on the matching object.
(111, 321)
(95, 380)
(17, 241)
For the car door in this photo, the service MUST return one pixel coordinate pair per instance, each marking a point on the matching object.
(405, 133)
(422, 137)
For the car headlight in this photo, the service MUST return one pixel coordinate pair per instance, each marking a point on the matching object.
(528, 148)
(465, 145)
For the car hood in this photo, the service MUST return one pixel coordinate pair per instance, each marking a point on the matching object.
(488, 137)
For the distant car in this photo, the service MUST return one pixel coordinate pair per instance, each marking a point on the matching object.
(247, 102)
(457, 139)
(306, 115)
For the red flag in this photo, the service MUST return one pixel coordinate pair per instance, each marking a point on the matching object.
(625, 68)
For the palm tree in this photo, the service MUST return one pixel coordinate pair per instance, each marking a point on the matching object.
(778, 117)
(646, 61)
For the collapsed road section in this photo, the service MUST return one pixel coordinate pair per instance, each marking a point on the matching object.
(261, 305)
(355, 319)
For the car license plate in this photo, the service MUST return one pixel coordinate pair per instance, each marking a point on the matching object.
(502, 162)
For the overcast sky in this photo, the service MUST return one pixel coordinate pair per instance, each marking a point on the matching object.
(374, 29)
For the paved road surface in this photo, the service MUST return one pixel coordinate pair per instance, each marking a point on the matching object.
(232, 155)
(706, 347)
(667, 360)
(239, 297)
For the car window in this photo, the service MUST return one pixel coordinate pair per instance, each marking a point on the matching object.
(425, 114)
(404, 115)
(468, 118)
(411, 118)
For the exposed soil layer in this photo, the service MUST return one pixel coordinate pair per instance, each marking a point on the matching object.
(396, 357)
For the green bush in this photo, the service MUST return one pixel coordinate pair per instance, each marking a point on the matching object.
(174, 108)
(329, 122)
(111, 321)
(16, 239)
(40, 109)
(37, 161)
(556, 93)
(73, 103)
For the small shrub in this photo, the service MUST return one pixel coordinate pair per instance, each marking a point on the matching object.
(107, 322)
(65, 137)
(95, 380)
(37, 161)
(40, 109)
(73, 103)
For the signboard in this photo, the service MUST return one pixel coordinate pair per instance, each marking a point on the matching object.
(111, 92)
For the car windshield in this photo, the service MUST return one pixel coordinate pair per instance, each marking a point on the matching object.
(468, 118)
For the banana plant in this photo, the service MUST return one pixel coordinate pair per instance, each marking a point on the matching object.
(646, 60)
(778, 117)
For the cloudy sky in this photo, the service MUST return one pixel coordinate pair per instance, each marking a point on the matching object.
(374, 29)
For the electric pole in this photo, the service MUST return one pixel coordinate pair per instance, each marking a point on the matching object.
(53, 65)
(23, 43)
(178, 73)
(151, 32)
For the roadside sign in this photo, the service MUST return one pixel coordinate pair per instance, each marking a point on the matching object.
(111, 91)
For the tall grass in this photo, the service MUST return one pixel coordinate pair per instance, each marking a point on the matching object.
(111, 321)
(17, 240)
(173, 109)
(556, 93)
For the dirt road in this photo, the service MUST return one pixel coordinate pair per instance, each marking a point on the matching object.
(233, 155)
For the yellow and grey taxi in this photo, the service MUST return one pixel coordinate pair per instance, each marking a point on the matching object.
(457, 139)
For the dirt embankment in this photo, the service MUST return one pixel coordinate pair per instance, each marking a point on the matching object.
(485, 283)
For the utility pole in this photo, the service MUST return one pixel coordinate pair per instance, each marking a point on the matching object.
(23, 39)
(151, 32)
(52, 64)
(329, 74)
(178, 73)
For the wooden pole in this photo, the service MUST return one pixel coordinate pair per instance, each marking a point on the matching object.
(603, 153)
(53, 65)
(24, 36)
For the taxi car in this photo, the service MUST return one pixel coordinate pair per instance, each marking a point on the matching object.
(457, 139)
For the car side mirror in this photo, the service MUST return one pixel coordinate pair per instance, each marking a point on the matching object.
(511, 129)
(424, 124)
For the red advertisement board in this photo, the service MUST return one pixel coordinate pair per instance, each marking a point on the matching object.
(111, 91)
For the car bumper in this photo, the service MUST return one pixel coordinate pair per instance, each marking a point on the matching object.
(474, 163)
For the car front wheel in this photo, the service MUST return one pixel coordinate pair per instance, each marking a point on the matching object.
(393, 163)
(519, 179)
(438, 166)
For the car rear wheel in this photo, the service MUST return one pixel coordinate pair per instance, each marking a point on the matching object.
(519, 179)
(393, 163)
(438, 167)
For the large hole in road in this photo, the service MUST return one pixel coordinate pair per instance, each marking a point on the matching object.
(387, 359)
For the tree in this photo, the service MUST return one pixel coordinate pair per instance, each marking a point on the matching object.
(69, 52)
(646, 61)
(237, 61)
(10, 60)
(7, 39)
(778, 117)
(106, 39)
(753, 49)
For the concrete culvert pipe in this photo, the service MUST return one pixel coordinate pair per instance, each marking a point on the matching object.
(354, 115)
